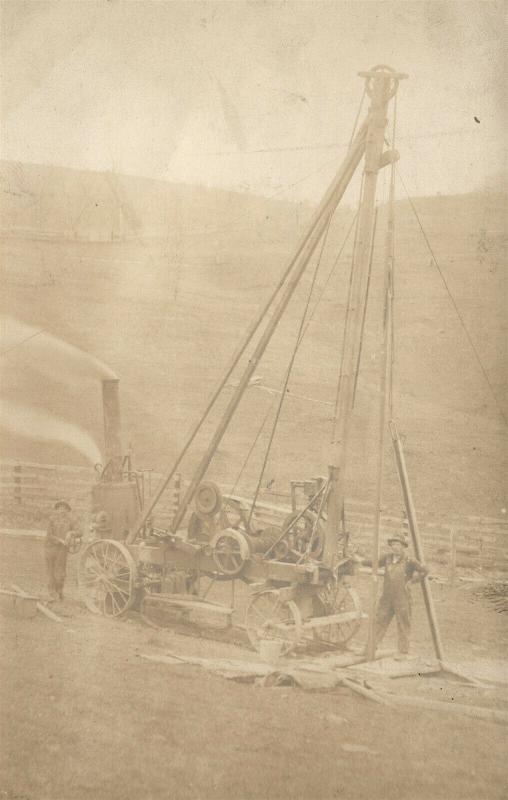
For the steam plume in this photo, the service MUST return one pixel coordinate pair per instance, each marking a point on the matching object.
(46, 353)
(40, 426)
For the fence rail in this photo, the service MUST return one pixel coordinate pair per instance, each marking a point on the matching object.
(480, 542)
(31, 487)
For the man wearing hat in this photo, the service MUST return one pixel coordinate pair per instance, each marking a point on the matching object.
(62, 530)
(395, 600)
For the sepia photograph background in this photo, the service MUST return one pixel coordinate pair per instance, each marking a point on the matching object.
(160, 162)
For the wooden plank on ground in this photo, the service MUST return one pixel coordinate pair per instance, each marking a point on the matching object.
(22, 605)
(305, 677)
(390, 668)
(347, 659)
(365, 692)
(41, 607)
(225, 666)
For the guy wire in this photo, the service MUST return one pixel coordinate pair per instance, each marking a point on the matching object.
(290, 367)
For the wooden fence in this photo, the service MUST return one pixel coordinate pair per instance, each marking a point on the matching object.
(457, 542)
(28, 491)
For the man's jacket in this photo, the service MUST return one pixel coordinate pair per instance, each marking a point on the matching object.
(60, 524)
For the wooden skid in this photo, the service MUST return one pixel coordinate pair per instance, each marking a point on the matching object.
(333, 619)
(190, 603)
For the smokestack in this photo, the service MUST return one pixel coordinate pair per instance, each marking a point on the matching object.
(112, 428)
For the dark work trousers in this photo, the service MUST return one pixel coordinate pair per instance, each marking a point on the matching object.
(395, 601)
(401, 610)
(56, 562)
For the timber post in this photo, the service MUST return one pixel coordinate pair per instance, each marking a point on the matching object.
(17, 483)
(381, 85)
(453, 556)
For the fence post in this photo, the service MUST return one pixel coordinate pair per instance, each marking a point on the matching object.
(177, 485)
(17, 483)
(453, 556)
(481, 561)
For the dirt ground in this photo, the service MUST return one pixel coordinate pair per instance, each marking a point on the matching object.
(83, 716)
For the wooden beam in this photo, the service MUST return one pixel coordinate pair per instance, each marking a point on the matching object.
(381, 85)
(417, 543)
(364, 692)
(41, 607)
(333, 619)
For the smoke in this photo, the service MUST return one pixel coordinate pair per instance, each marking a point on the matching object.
(40, 426)
(33, 347)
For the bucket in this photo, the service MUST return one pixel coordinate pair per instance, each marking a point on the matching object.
(270, 650)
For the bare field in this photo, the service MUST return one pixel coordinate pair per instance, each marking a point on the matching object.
(166, 314)
(99, 722)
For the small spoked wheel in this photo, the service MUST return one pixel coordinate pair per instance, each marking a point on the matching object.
(337, 599)
(106, 577)
(270, 617)
(208, 498)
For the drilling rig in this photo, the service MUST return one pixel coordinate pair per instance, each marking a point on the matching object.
(299, 569)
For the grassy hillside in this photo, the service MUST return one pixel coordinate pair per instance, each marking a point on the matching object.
(164, 304)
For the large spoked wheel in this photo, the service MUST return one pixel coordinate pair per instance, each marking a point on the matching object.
(269, 617)
(337, 599)
(106, 577)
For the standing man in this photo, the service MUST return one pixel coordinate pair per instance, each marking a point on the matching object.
(395, 600)
(62, 530)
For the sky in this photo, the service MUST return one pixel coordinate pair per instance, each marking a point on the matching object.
(252, 96)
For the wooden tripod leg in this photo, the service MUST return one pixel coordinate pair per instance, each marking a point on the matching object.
(415, 536)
